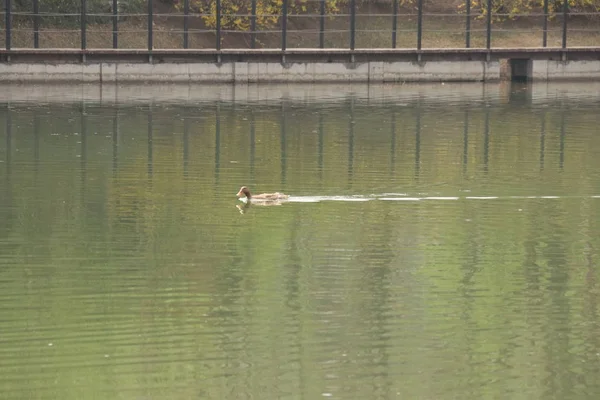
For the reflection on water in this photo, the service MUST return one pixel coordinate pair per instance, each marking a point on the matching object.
(438, 242)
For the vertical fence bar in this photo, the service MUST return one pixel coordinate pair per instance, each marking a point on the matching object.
(7, 23)
(36, 24)
(352, 24)
(150, 27)
(253, 25)
(218, 47)
(419, 24)
(545, 33)
(322, 26)
(468, 25)
(284, 11)
(115, 23)
(83, 24)
(488, 39)
(565, 15)
(186, 17)
(394, 23)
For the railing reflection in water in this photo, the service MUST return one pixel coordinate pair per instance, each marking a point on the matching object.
(118, 136)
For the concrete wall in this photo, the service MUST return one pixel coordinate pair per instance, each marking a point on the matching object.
(254, 72)
(307, 72)
(565, 70)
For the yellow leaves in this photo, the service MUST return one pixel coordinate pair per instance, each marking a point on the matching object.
(512, 9)
(236, 14)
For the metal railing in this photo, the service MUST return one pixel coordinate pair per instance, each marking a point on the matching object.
(186, 29)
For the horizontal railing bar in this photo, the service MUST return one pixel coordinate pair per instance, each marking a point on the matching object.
(451, 31)
(307, 31)
(559, 14)
(331, 15)
(291, 51)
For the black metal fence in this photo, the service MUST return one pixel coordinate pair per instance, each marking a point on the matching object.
(381, 24)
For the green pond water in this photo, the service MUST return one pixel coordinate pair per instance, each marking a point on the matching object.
(440, 242)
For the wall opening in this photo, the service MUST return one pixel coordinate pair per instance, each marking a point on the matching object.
(520, 69)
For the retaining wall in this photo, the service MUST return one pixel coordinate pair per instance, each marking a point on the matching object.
(307, 65)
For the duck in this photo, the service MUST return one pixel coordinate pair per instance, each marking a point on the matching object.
(245, 192)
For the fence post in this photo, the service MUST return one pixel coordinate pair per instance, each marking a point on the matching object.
(218, 25)
(186, 15)
(468, 25)
(7, 23)
(488, 40)
(150, 27)
(322, 26)
(565, 15)
(36, 24)
(394, 23)
(419, 24)
(83, 24)
(545, 34)
(115, 23)
(284, 12)
(352, 24)
(253, 25)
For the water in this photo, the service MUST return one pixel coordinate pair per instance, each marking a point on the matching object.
(440, 242)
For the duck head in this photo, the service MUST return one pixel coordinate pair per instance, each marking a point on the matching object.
(244, 192)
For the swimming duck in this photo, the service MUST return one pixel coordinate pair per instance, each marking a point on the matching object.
(244, 192)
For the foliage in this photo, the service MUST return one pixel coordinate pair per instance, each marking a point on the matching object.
(235, 14)
(511, 9)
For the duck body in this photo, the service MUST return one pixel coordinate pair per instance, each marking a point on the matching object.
(244, 192)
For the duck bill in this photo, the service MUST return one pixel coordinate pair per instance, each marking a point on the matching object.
(240, 194)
